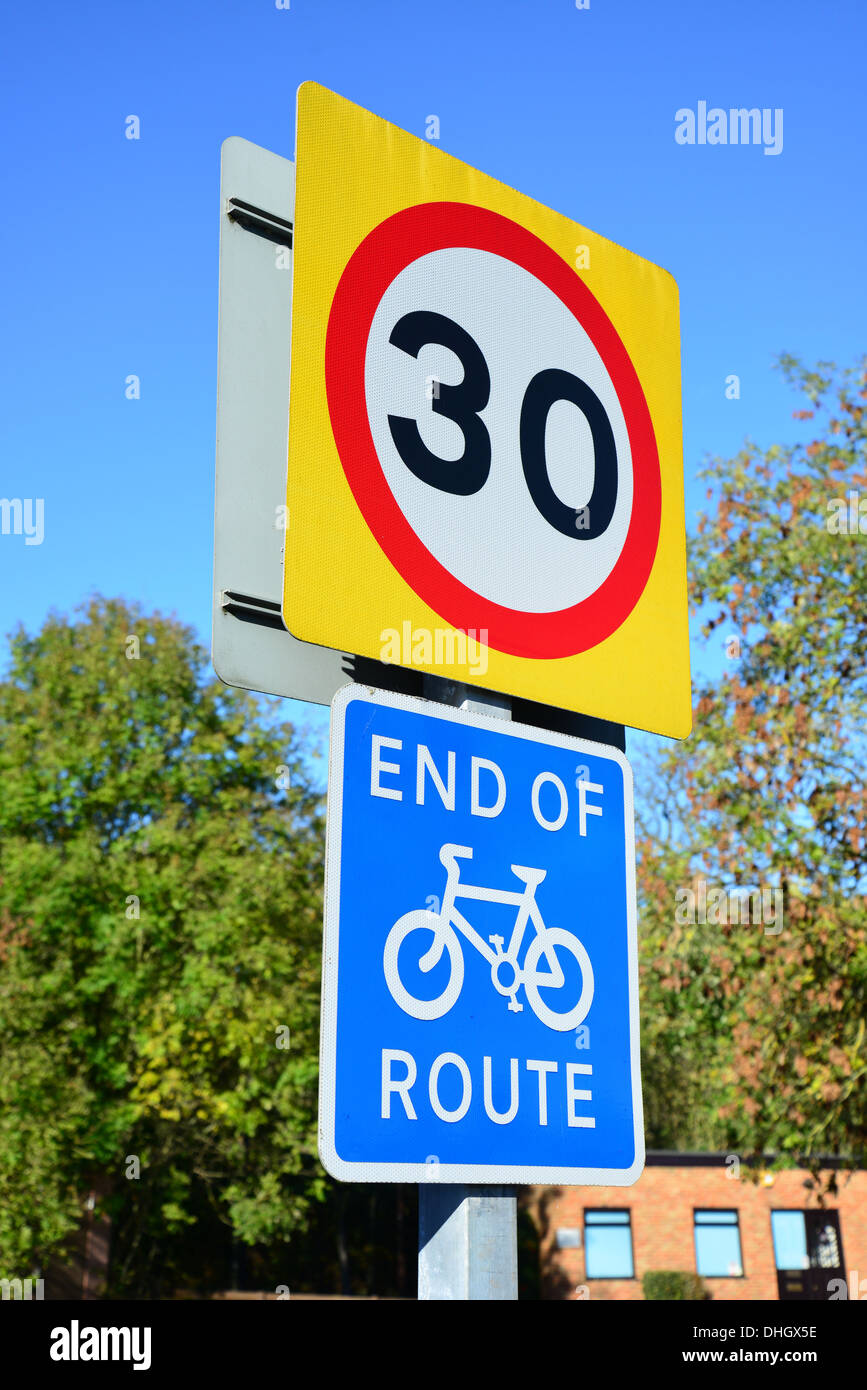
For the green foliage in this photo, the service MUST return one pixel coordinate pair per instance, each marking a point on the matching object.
(754, 1036)
(672, 1284)
(160, 921)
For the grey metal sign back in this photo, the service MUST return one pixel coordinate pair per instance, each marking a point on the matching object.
(250, 645)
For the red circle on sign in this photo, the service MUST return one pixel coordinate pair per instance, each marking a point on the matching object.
(377, 261)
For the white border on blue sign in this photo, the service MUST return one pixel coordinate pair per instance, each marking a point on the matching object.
(508, 1173)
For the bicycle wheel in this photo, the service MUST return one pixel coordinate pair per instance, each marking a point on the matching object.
(552, 937)
(431, 924)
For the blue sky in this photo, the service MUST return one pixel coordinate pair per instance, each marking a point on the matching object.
(110, 245)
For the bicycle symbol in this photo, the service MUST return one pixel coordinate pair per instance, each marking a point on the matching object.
(444, 926)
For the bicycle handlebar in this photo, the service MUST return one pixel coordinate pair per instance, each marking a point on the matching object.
(452, 852)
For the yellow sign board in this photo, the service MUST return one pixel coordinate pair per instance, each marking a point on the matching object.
(485, 474)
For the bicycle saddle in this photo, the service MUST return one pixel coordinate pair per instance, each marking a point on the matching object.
(532, 877)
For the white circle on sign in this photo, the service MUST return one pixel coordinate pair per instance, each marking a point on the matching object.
(496, 542)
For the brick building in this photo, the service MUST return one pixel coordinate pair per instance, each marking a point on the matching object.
(704, 1214)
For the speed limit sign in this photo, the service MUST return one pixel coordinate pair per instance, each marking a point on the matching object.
(485, 465)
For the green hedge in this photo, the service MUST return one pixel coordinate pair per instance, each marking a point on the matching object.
(672, 1284)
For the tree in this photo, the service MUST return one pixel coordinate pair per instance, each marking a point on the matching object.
(756, 1032)
(160, 928)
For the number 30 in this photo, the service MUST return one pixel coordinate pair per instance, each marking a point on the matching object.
(462, 404)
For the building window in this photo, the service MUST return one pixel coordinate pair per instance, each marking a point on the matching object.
(718, 1244)
(789, 1231)
(608, 1244)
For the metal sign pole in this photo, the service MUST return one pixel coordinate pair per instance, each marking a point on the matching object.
(467, 1236)
(467, 1242)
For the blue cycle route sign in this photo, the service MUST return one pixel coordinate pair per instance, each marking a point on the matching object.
(480, 990)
